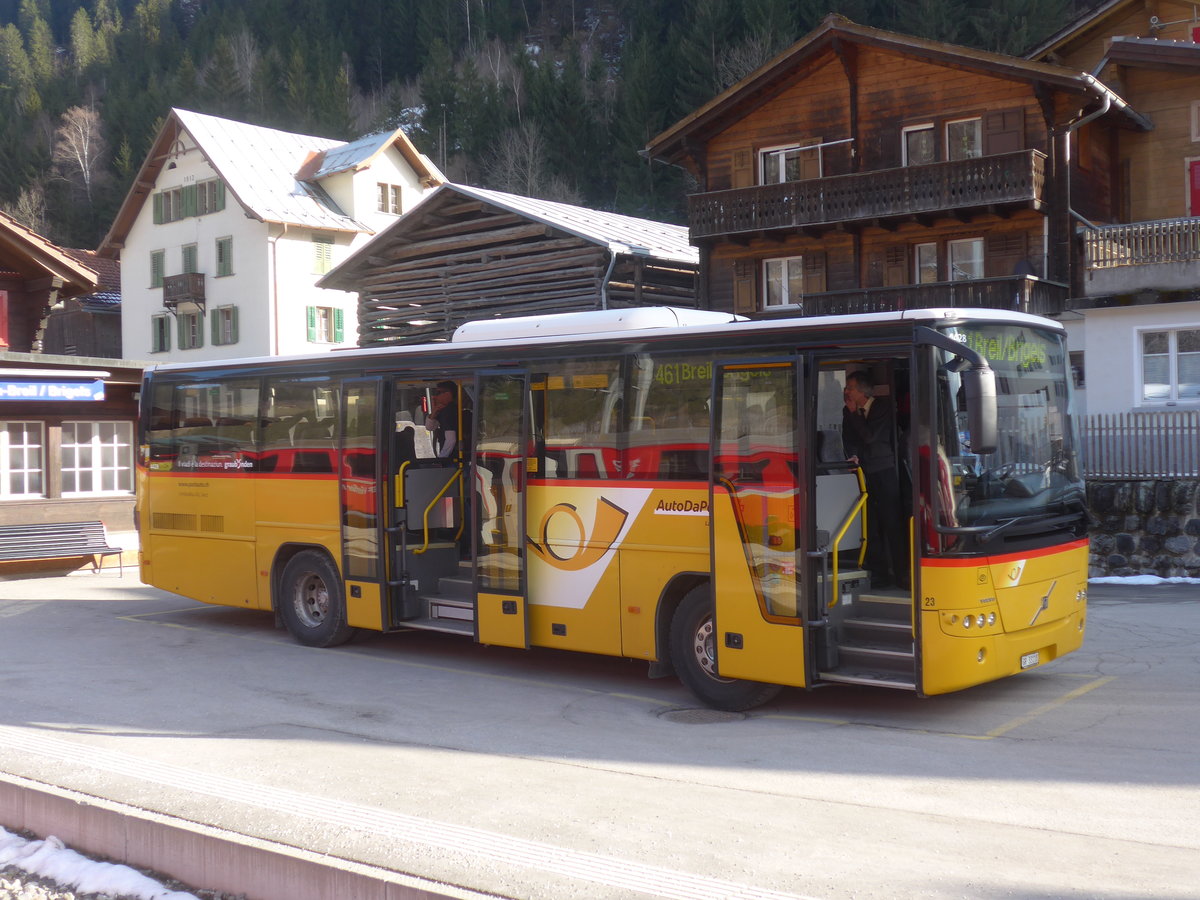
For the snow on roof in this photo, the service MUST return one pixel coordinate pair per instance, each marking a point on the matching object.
(259, 166)
(622, 234)
(353, 154)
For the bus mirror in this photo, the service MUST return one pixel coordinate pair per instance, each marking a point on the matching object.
(979, 384)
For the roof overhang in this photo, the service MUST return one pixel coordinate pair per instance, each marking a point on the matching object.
(833, 36)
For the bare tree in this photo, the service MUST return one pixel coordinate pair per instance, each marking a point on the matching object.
(30, 208)
(79, 148)
(518, 165)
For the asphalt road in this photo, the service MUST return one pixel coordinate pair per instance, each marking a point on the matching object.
(549, 775)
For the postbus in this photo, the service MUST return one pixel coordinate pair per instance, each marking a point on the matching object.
(652, 483)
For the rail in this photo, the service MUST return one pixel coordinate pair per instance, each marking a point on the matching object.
(1142, 243)
(1135, 445)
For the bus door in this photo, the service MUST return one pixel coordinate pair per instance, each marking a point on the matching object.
(758, 535)
(429, 583)
(499, 473)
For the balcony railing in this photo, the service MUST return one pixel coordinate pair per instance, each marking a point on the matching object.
(1009, 178)
(1142, 243)
(185, 288)
(1022, 293)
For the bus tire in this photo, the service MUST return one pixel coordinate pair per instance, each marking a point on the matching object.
(694, 654)
(311, 602)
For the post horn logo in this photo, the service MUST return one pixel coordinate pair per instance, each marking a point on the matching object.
(610, 519)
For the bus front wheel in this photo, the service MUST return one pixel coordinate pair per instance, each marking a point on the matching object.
(693, 651)
(311, 603)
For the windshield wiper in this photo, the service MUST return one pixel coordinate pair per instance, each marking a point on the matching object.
(988, 532)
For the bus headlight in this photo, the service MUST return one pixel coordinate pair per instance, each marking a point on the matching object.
(967, 621)
(991, 620)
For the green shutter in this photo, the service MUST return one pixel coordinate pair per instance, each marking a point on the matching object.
(224, 256)
(220, 196)
(156, 268)
(215, 325)
(190, 207)
(339, 326)
(181, 322)
(158, 208)
(312, 324)
(189, 258)
(233, 325)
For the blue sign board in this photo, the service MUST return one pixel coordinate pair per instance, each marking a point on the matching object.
(52, 390)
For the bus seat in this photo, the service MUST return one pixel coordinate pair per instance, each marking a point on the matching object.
(277, 432)
(406, 445)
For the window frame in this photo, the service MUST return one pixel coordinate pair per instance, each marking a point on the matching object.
(35, 472)
(158, 267)
(191, 331)
(785, 281)
(322, 254)
(1172, 357)
(780, 154)
(224, 325)
(224, 251)
(906, 130)
(952, 263)
(919, 267)
(978, 120)
(119, 471)
(160, 333)
(326, 324)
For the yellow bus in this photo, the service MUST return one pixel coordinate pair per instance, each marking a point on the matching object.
(659, 484)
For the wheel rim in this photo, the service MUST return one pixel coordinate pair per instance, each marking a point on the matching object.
(311, 600)
(705, 650)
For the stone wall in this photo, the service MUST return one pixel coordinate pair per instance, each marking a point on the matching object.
(1145, 527)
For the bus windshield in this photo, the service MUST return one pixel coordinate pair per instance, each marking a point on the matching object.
(1034, 472)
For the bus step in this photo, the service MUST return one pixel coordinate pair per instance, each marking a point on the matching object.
(854, 654)
(871, 676)
(875, 605)
(456, 587)
(443, 607)
(446, 626)
(891, 633)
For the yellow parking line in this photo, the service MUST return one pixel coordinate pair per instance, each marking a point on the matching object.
(1047, 707)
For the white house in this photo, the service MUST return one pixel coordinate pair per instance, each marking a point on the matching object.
(228, 227)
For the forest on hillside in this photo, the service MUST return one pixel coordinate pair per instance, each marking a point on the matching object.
(549, 98)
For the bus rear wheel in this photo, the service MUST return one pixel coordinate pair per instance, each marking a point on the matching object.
(693, 651)
(311, 602)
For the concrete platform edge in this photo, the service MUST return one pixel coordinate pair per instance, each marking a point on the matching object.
(200, 855)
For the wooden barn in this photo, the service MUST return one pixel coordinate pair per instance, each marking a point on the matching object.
(467, 253)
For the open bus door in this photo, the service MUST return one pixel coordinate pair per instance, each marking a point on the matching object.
(758, 534)
(499, 476)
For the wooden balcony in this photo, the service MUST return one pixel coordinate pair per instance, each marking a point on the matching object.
(1137, 261)
(1020, 293)
(185, 288)
(1009, 180)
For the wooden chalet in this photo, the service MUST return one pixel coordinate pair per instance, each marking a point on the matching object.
(467, 253)
(865, 170)
(66, 422)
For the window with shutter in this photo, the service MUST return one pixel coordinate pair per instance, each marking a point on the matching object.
(189, 258)
(224, 256)
(160, 334)
(322, 255)
(224, 325)
(157, 267)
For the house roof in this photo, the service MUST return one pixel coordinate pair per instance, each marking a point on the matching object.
(1079, 24)
(359, 154)
(274, 175)
(29, 255)
(834, 32)
(618, 233)
(622, 234)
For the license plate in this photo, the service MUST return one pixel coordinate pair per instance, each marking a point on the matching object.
(1029, 660)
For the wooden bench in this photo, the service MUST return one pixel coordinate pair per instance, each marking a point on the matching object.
(57, 540)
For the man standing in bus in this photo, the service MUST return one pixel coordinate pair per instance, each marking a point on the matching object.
(868, 438)
(443, 419)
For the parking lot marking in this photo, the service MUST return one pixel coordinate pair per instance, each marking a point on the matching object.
(1047, 707)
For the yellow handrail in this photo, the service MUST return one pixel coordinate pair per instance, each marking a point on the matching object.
(399, 483)
(457, 476)
(859, 505)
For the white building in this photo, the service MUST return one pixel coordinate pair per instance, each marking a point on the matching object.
(228, 227)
